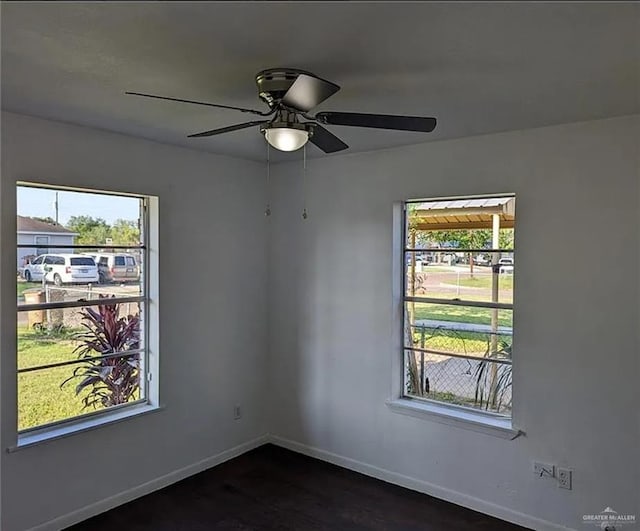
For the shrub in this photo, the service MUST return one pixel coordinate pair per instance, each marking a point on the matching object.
(112, 380)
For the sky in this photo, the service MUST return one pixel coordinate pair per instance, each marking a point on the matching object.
(39, 202)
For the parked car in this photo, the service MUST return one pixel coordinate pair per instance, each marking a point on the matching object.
(505, 265)
(117, 267)
(62, 269)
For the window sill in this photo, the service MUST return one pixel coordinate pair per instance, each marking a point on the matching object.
(53, 433)
(462, 418)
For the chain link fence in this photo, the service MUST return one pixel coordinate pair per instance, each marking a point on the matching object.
(70, 318)
(462, 364)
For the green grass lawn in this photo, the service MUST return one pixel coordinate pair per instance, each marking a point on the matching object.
(40, 398)
(505, 282)
(459, 341)
(460, 314)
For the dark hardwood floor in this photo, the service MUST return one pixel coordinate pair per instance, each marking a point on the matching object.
(271, 488)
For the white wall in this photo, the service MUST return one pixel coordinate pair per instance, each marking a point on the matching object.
(212, 334)
(576, 317)
(330, 317)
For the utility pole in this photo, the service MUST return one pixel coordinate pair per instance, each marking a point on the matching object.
(55, 204)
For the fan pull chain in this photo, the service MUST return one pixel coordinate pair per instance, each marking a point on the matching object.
(304, 182)
(267, 210)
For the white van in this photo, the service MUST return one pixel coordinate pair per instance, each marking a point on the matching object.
(62, 269)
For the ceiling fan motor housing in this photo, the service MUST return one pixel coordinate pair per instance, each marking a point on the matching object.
(274, 83)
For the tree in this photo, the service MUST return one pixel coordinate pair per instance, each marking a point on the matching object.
(469, 239)
(125, 232)
(90, 230)
(48, 219)
(462, 239)
(506, 238)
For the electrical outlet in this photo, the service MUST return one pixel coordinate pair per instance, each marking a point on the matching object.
(544, 470)
(237, 412)
(564, 478)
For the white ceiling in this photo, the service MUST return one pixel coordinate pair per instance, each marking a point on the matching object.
(478, 68)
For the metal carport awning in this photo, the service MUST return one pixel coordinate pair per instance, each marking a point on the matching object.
(464, 214)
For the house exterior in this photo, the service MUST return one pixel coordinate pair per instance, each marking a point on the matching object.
(40, 235)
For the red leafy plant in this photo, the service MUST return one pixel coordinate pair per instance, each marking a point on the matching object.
(112, 380)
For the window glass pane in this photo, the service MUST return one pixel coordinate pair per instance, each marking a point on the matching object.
(451, 337)
(464, 317)
(41, 398)
(83, 218)
(55, 336)
(462, 330)
(52, 336)
(480, 384)
(41, 242)
(445, 275)
(460, 223)
(35, 293)
(87, 283)
(82, 261)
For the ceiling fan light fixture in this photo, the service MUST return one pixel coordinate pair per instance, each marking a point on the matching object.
(286, 136)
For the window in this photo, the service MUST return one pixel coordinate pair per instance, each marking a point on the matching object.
(458, 274)
(41, 242)
(82, 340)
(81, 261)
(119, 260)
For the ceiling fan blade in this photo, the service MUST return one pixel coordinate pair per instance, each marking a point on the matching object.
(199, 103)
(308, 92)
(326, 140)
(378, 121)
(228, 129)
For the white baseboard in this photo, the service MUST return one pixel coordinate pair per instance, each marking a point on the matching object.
(418, 485)
(146, 488)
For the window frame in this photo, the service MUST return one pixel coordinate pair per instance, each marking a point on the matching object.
(471, 418)
(148, 301)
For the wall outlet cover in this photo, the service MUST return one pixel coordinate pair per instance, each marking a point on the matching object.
(564, 478)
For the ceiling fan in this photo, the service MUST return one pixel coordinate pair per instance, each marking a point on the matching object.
(290, 94)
